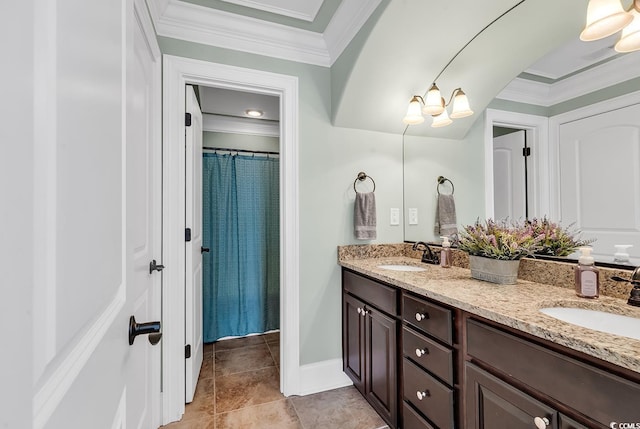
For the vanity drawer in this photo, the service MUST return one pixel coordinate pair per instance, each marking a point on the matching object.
(413, 420)
(437, 399)
(602, 396)
(428, 354)
(428, 317)
(385, 298)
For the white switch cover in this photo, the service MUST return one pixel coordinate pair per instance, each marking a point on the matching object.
(394, 216)
(413, 216)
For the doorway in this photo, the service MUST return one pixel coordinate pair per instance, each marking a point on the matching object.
(511, 181)
(535, 130)
(178, 72)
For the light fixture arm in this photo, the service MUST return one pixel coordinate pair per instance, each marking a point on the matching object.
(453, 94)
(637, 2)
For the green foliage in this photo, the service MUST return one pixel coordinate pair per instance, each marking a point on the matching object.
(498, 240)
(509, 241)
(557, 241)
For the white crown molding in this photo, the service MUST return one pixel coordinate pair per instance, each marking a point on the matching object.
(157, 8)
(227, 30)
(247, 126)
(345, 24)
(199, 24)
(279, 10)
(610, 73)
(526, 91)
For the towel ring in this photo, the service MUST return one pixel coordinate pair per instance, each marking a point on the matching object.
(362, 177)
(441, 180)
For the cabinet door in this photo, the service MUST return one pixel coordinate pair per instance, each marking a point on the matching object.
(353, 340)
(493, 404)
(381, 373)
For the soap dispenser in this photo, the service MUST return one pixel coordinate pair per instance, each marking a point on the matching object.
(587, 275)
(622, 254)
(445, 253)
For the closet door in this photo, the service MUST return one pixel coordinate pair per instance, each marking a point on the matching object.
(193, 254)
(599, 162)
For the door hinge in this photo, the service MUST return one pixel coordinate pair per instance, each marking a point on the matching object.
(187, 119)
(526, 151)
(187, 234)
(187, 351)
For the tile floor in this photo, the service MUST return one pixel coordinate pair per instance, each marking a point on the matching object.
(239, 388)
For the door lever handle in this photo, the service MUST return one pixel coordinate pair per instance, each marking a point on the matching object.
(149, 328)
(154, 266)
(204, 249)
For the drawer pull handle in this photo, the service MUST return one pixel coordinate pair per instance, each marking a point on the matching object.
(421, 316)
(541, 422)
(422, 395)
(422, 352)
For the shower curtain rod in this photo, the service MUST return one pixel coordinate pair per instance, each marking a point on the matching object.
(226, 149)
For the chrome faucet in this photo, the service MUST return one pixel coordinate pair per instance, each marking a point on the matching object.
(428, 256)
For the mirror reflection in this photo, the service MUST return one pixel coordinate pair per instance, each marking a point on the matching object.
(561, 141)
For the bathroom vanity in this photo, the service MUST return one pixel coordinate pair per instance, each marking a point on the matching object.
(437, 349)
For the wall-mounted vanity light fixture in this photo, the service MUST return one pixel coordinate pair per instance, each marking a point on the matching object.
(606, 17)
(434, 105)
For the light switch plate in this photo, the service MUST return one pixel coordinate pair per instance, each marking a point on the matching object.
(413, 216)
(394, 216)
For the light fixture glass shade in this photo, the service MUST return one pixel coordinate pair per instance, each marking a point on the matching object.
(433, 105)
(441, 120)
(414, 112)
(461, 107)
(630, 38)
(604, 17)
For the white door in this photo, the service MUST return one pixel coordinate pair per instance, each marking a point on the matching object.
(97, 219)
(193, 251)
(509, 176)
(599, 161)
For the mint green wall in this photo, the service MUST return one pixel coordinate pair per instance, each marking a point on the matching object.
(329, 160)
(461, 161)
(240, 141)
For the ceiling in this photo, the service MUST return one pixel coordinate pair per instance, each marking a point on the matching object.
(397, 56)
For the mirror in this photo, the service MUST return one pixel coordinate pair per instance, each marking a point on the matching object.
(584, 166)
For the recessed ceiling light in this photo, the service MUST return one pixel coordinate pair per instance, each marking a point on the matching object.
(254, 113)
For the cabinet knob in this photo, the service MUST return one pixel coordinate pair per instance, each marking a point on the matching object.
(541, 422)
(421, 316)
(359, 310)
(422, 395)
(422, 352)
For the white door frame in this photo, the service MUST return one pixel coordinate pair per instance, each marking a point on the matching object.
(177, 72)
(538, 128)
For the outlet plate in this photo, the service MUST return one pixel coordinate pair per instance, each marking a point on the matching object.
(394, 216)
(413, 216)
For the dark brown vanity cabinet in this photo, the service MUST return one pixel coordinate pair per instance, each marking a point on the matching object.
(369, 342)
(424, 365)
(515, 382)
(428, 364)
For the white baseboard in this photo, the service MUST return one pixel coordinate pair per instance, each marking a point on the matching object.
(322, 376)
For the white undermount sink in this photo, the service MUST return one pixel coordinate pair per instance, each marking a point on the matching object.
(597, 320)
(401, 268)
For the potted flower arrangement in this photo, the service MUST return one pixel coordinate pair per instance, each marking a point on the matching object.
(556, 240)
(495, 249)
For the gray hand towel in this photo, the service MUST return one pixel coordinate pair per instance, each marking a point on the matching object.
(364, 216)
(446, 224)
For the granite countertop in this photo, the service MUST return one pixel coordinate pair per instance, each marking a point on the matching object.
(515, 306)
